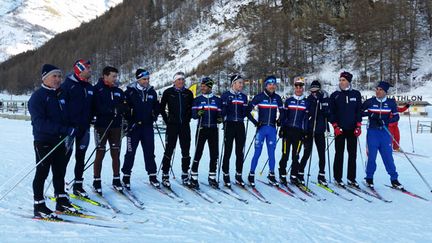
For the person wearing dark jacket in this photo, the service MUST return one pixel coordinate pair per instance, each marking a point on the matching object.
(51, 128)
(381, 112)
(294, 121)
(268, 103)
(78, 93)
(109, 106)
(345, 117)
(234, 110)
(143, 111)
(207, 109)
(178, 100)
(317, 126)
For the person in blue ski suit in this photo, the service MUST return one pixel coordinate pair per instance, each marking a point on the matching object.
(381, 111)
(207, 109)
(78, 93)
(143, 106)
(268, 103)
(294, 121)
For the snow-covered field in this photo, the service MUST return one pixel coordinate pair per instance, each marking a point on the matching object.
(286, 219)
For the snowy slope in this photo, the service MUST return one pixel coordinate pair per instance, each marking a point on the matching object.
(284, 220)
(27, 24)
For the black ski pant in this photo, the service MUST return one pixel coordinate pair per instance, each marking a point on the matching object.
(183, 133)
(351, 139)
(308, 145)
(291, 137)
(57, 161)
(211, 136)
(234, 131)
(81, 140)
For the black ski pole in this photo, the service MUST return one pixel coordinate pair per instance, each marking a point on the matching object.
(34, 167)
(94, 150)
(164, 148)
(418, 172)
(313, 138)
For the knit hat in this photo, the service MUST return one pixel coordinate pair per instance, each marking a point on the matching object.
(384, 85)
(299, 81)
(348, 76)
(235, 78)
(207, 81)
(81, 65)
(315, 86)
(141, 73)
(48, 69)
(179, 75)
(270, 80)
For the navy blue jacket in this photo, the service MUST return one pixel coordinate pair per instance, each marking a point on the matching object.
(345, 108)
(234, 106)
(109, 104)
(79, 97)
(376, 110)
(48, 115)
(323, 112)
(211, 104)
(267, 104)
(295, 113)
(143, 104)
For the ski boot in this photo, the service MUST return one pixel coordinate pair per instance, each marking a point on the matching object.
(251, 179)
(97, 186)
(41, 211)
(300, 177)
(185, 178)
(294, 180)
(165, 181)
(78, 189)
(239, 179)
(126, 181)
(227, 180)
(322, 180)
(339, 183)
(283, 180)
(63, 204)
(369, 182)
(396, 184)
(272, 179)
(117, 184)
(212, 180)
(154, 181)
(353, 183)
(193, 181)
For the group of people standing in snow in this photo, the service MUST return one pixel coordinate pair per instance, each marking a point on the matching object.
(62, 113)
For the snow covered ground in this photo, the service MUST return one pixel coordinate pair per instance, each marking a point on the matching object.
(406, 219)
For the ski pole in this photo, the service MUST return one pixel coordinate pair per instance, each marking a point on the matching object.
(38, 163)
(361, 154)
(164, 148)
(418, 172)
(94, 150)
(412, 140)
(297, 153)
(222, 150)
(250, 145)
(262, 170)
(328, 151)
(197, 133)
(313, 137)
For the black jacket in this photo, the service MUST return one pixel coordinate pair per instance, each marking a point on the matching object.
(179, 104)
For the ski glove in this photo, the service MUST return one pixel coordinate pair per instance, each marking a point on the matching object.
(281, 132)
(357, 130)
(201, 112)
(337, 130)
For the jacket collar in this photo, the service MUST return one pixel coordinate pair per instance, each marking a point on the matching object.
(209, 95)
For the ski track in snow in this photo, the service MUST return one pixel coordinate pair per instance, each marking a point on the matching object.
(406, 219)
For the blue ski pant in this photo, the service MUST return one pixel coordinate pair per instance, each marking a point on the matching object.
(380, 140)
(267, 133)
